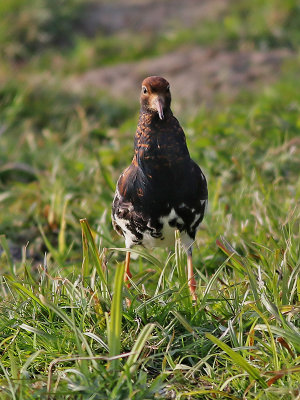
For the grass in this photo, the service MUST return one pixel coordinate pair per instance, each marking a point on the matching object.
(65, 332)
(47, 35)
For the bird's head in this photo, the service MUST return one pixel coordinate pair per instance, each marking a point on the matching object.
(155, 95)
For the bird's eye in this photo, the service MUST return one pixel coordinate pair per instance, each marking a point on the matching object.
(144, 89)
(168, 88)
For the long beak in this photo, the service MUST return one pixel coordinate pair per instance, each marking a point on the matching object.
(158, 104)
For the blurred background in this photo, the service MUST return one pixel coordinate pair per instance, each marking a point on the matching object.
(70, 76)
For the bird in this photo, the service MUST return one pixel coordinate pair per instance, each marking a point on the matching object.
(163, 189)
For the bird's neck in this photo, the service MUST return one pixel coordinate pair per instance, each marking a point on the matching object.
(159, 143)
(149, 116)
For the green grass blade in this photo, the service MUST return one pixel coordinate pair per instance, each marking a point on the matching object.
(97, 339)
(288, 334)
(185, 297)
(9, 382)
(39, 332)
(184, 323)
(89, 244)
(141, 253)
(239, 360)
(21, 288)
(293, 280)
(138, 347)
(80, 338)
(241, 264)
(272, 341)
(30, 360)
(211, 283)
(253, 283)
(130, 366)
(157, 383)
(115, 322)
(207, 392)
(14, 367)
(230, 252)
(85, 255)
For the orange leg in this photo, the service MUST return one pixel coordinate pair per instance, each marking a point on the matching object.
(127, 273)
(191, 278)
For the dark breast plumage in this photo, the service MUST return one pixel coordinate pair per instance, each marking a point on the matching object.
(162, 190)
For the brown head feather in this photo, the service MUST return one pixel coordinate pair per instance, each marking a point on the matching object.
(155, 96)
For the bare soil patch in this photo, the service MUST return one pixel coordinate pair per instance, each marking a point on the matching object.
(152, 16)
(196, 74)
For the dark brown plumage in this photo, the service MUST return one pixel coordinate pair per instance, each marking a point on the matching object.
(163, 189)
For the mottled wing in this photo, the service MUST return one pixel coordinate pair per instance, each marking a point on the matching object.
(127, 218)
(191, 198)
